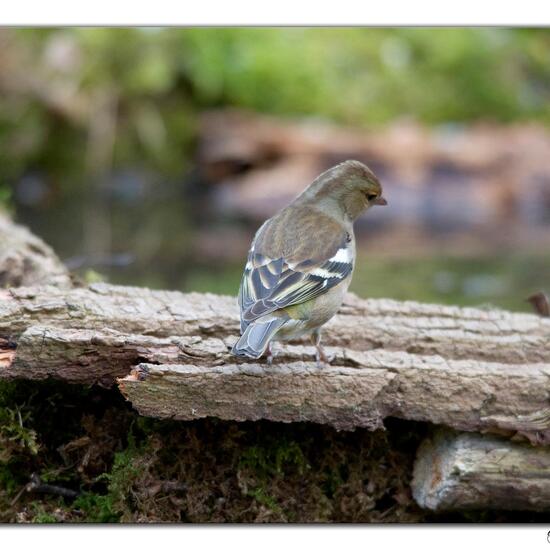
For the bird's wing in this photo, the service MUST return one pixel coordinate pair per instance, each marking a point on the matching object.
(270, 283)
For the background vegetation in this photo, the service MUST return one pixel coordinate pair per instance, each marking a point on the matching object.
(161, 78)
(98, 129)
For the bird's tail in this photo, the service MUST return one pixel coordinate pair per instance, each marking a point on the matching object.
(257, 336)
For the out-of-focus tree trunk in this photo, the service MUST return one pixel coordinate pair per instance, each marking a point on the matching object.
(26, 260)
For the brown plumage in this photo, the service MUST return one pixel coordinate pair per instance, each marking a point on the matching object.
(301, 261)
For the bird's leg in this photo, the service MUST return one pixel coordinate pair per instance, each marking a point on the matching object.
(269, 354)
(320, 355)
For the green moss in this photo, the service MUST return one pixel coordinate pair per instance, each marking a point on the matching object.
(96, 508)
(43, 517)
(129, 467)
(14, 433)
(9, 478)
(263, 498)
(274, 457)
(133, 469)
(18, 440)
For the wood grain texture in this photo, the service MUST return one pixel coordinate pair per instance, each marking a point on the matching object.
(472, 471)
(471, 369)
(419, 329)
(357, 389)
(27, 260)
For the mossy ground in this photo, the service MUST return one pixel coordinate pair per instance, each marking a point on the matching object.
(128, 468)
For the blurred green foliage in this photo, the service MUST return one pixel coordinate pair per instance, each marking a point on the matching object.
(55, 84)
(4, 193)
(368, 76)
(80, 103)
(493, 280)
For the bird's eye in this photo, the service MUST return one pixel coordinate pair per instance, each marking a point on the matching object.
(371, 196)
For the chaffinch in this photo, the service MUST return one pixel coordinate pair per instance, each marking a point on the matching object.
(301, 261)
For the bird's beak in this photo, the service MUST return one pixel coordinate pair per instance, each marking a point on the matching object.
(380, 201)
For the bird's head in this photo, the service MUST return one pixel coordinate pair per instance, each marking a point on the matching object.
(351, 185)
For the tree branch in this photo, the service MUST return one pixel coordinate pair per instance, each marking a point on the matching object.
(467, 471)
(471, 369)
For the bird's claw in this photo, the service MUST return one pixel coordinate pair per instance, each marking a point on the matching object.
(322, 358)
(269, 355)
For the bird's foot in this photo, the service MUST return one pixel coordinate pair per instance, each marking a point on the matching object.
(270, 355)
(321, 357)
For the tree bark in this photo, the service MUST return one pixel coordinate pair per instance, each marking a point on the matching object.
(471, 369)
(467, 471)
(359, 389)
(494, 336)
(26, 260)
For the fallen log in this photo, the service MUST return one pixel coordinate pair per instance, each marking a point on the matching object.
(359, 389)
(96, 356)
(471, 369)
(26, 260)
(472, 471)
(125, 309)
(419, 329)
(467, 368)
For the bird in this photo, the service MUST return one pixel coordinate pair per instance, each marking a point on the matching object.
(301, 262)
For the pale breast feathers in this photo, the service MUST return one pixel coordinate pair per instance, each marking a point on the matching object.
(283, 269)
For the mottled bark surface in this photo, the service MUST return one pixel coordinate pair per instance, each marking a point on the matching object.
(97, 356)
(357, 389)
(419, 329)
(471, 471)
(472, 369)
(27, 260)
(125, 309)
